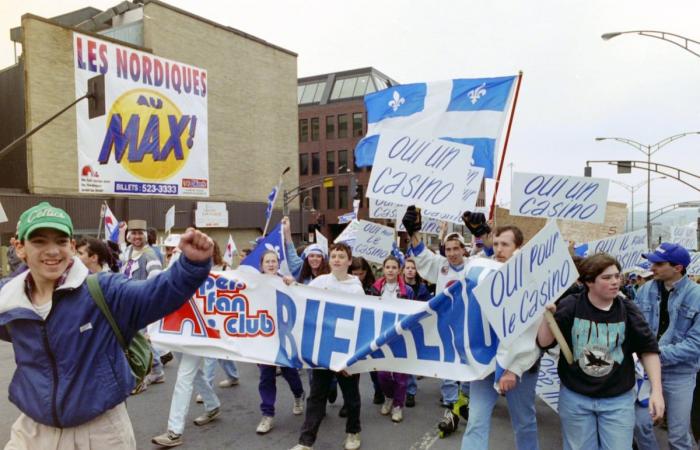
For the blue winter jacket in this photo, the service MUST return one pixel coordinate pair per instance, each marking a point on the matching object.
(70, 368)
(680, 344)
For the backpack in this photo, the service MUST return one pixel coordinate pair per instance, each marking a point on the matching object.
(138, 351)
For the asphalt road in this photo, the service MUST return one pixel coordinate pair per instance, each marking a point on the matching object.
(235, 427)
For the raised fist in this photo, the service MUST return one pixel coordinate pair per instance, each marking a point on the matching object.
(411, 220)
(476, 223)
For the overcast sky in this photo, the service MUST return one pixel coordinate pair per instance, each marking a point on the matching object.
(575, 85)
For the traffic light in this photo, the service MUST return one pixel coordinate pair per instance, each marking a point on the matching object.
(353, 188)
(96, 96)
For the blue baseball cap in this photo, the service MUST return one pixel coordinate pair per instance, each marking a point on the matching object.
(670, 253)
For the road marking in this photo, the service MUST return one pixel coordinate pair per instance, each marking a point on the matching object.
(427, 440)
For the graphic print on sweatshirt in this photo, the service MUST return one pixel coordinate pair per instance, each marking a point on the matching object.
(597, 345)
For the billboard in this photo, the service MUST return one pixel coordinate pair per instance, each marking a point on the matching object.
(153, 138)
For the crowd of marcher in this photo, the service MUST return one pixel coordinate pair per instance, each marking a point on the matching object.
(73, 377)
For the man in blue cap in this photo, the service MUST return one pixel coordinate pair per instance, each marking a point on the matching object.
(671, 305)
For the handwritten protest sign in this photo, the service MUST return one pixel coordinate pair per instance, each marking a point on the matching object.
(626, 248)
(383, 209)
(373, 241)
(322, 241)
(514, 297)
(349, 234)
(425, 172)
(559, 197)
(548, 384)
(694, 266)
(686, 236)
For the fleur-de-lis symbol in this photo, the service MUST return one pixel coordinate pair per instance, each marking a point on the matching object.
(476, 93)
(274, 248)
(397, 101)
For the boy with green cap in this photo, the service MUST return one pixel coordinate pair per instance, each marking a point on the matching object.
(72, 376)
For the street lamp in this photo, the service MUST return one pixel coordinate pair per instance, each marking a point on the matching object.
(648, 150)
(632, 189)
(675, 39)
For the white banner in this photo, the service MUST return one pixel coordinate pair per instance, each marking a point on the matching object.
(694, 266)
(514, 297)
(425, 172)
(548, 384)
(559, 197)
(373, 241)
(247, 316)
(686, 236)
(153, 138)
(626, 248)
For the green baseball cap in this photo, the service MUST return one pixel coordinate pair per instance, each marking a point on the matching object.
(43, 215)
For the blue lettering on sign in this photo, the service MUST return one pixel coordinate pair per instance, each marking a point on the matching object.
(329, 341)
(286, 318)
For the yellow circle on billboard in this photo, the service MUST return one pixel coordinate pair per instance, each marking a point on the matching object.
(160, 148)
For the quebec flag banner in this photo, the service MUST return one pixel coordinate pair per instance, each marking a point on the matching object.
(273, 241)
(271, 198)
(468, 111)
(111, 225)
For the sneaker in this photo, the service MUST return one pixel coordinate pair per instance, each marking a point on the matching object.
(166, 358)
(332, 394)
(168, 439)
(207, 417)
(396, 414)
(352, 441)
(228, 382)
(301, 447)
(410, 401)
(156, 378)
(378, 398)
(298, 408)
(265, 425)
(198, 398)
(343, 411)
(386, 407)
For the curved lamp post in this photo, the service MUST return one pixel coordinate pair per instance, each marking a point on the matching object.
(632, 189)
(648, 150)
(675, 39)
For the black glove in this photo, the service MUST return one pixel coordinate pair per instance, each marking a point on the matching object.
(411, 220)
(476, 223)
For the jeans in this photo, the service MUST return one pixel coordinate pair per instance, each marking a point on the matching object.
(157, 368)
(268, 386)
(189, 376)
(678, 394)
(412, 387)
(589, 423)
(316, 403)
(228, 365)
(644, 435)
(521, 406)
(394, 386)
(450, 390)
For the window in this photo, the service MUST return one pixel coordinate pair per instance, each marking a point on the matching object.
(330, 162)
(303, 164)
(310, 93)
(316, 197)
(361, 86)
(303, 130)
(330, 198)
(343, 159)
(330, 127)
(316, 128)
(356, 125)
(342, 197)
(342, 125)
(360, 194)
(315, 164)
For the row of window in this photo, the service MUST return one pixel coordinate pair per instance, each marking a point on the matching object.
(336, 162)
(311, 128)
(337, 197)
